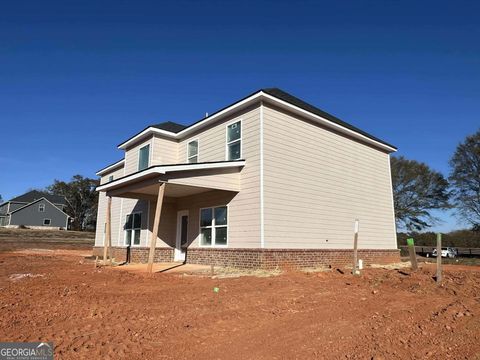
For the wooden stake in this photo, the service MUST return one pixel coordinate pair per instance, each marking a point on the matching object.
(107, 244)
(413, 255)
(439, 258)
(355, 248)
(156, 224)
(96, 261)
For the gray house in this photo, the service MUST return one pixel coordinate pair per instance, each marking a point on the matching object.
(35, 209)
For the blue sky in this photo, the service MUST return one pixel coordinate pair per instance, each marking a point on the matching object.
(78, 77)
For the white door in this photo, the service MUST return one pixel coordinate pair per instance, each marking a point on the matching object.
(182, 231)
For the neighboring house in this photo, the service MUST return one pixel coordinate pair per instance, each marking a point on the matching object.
(269, 180)
(35, 209)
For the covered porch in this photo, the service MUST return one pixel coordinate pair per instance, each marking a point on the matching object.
(173, 195)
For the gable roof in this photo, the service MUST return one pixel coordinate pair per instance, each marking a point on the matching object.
(38, 200)
(35, 195)
(282, 95)
(268, 94)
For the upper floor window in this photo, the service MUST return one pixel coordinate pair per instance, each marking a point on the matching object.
(143, 157)
(234, 141)
(110, 178)
(41, 208)
(192, 151)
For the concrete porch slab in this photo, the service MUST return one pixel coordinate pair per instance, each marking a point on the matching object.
(170, 268)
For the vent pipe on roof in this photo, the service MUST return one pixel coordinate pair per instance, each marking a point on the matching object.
(206, 114)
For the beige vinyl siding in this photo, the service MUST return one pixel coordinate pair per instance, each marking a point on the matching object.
(130, 206)
(165, 151)
(212, 199)
(162, 151)
(244, 207)
(168, 224)
(131, 155)
(102, 208)
(101, 211)
(317, 182)
(116, 173)
(212, 140)
(224, 179)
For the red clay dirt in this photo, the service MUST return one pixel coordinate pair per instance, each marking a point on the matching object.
(107, 314)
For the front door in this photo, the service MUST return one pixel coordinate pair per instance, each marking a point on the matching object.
(182, 231)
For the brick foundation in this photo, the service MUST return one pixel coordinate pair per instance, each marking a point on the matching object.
(137, 254)
(302, 258)
(261, 258)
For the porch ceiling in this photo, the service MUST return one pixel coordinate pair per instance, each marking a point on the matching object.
(150, 192)
(181, 180)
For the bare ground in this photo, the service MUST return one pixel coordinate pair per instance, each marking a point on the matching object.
(108, 314)
(16, 239)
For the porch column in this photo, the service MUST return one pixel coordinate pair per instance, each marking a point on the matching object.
(156, 224)
(107, 243)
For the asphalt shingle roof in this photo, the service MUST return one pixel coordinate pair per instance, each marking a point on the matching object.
(282, 95)
(170, 126)
(35, 195)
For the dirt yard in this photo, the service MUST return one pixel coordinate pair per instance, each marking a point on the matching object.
(15, 239)
(109, 314)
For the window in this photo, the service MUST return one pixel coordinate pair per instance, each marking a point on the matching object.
(41, 208)
(234, 141)
(110, 178)
(192, 151)
(47, 221)
(213, 226)
(133, 225)
(143, 156)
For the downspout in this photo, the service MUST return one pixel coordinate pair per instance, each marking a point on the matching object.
(262, 219)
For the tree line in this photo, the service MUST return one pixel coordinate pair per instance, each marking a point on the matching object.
(456, 238)
(418, 189)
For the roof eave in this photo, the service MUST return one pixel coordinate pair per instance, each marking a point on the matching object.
(164, 169)
(330, 124)
(197, 125)
(257, 96)
(110, 167)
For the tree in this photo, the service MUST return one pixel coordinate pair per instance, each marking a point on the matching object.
(465, 179)
(417, 189)
(81, 198)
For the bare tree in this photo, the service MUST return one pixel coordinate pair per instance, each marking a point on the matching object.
(82, 200)
(417, 190)
(465, 179)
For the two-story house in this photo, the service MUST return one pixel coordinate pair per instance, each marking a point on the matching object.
(269, 180)
(35, 209)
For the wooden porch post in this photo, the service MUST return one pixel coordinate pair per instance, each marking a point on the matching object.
(107, 243)
(156, 224)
